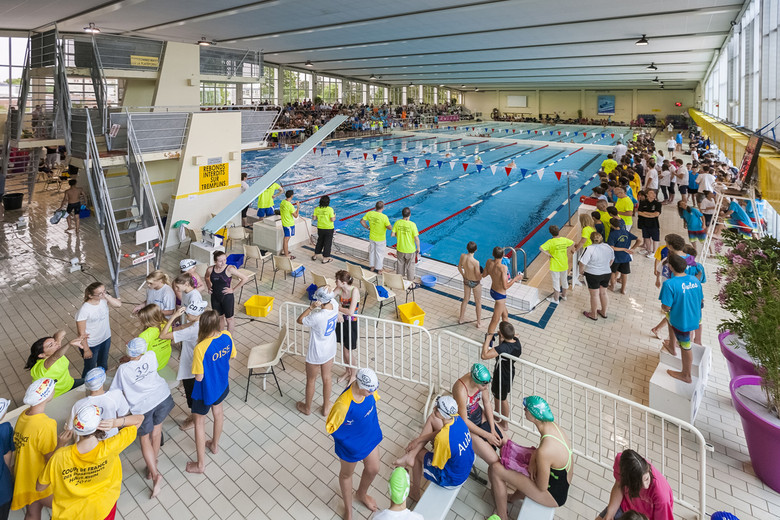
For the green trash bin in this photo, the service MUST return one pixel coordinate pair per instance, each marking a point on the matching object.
(12, 201)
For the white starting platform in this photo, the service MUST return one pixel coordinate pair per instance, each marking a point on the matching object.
(675, 397)
(268, 233)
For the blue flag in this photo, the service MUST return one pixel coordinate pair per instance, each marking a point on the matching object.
(406, 160)
(348, 154)
(575, 133)
(439, 163)
(479, 168)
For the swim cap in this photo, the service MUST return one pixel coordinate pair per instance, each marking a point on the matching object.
(87, 420)
(95, 379)
(4, 404)
(538, 408)
(39, 391)
(196, 308)
(447, 406)
(399, 485)
(367, 379)
(480, 374)
(494, 517)
(187, 264)
(323, 295)
(136, 347)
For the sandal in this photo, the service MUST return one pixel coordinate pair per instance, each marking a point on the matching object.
(601, 314)
(587, 315)
(327, 260)
(314, 257)
(291, 257)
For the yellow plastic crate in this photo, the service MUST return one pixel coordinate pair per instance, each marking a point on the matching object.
(259, 306)
(412, 313)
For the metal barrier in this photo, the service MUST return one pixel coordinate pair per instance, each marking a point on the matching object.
(599, 424)
(391, 348)
(155, 132)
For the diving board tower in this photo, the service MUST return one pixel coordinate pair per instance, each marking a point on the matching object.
(222, 218)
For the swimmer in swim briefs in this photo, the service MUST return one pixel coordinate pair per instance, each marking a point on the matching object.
(499, 285)
(469, 269)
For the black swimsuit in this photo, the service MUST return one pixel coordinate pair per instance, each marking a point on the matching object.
(222, 303)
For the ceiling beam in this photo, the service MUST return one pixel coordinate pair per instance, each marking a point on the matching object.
(210, 16)
(572, 68)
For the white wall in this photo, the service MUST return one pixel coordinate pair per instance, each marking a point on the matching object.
(628, 103)
(179, 81)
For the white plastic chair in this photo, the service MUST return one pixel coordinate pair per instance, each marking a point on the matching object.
(267, 356)
(382, 300)
(253, 252)
(284, 264)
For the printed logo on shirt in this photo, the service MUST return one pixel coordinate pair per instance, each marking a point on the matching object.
(331, 325)
(464, 446)
(141, 372)
(686, 286)
(224, 352)
(369, 412)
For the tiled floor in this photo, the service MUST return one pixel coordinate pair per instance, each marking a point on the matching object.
(274, 463)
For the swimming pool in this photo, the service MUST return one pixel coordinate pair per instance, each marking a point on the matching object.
(579, 134)
(452, 199)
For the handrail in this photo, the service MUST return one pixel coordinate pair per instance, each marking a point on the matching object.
(65, 107)
(606, 416)
(99, 85)
(391, 348)
(133, 152)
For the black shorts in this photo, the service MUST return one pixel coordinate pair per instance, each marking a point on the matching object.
(73, 209)
(501, 390)
(595, 281)
(652, 233)
(201, 408)
(622, 268)
(693, 190)
(484, 424)
(244, 212)
(707, 219)
(683, 189)
(347, 333)
(224, 305)
(188, 385)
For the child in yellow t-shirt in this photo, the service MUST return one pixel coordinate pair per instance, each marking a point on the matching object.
(557, 248)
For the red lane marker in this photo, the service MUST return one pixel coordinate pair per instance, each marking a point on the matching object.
(445, 219)
(366, 211)
(451, 140)
(532, 233)
(423, 139)
(300, 182)
(478, 142)
(502, 146)
(545, 146)
(335, 192)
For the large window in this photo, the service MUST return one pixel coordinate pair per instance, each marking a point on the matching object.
(376, 95)
(12, 51)
(396, 96)
(353, 93)
(412, 94)
(297, 86)
(770, 62)
(263, 92)
(217, 93)
(328, 89)
(428, 94)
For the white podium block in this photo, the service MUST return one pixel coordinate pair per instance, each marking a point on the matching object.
(203, 253)
(675, 397)
(268, 233)
(702, 362)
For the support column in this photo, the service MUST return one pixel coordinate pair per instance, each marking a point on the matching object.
(634, 103)
(582, 102)
(280, 85)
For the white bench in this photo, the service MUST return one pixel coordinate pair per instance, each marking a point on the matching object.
(674, 397)
(436, 502)
(534, 511)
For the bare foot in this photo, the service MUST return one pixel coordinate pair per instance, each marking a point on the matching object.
(188, 424)
(404, 462)
(325, 409)
(654, 332)
(679, 375)
(622, 290)
(158, 484)
(461, 320)
(667, 346)
(368, 501)
(212, 447)
(192, 467)
(302, 408)
(148, 474)
(478, 324)
(343, 377)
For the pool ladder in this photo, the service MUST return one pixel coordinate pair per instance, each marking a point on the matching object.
(513, 261)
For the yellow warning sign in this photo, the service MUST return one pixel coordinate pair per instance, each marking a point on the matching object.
(144, 61)
(213, 176)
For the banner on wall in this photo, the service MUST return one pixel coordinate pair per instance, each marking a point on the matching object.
(453, 117)
(606, 105)
(213, 176)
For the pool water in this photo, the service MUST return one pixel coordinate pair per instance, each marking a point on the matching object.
(579, 134)
(450, 204)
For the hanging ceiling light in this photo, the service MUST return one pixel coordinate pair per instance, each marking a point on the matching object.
(372, 77)
(204, 42)
(662, 84)
(476, 89)
(655, 79)
(308, 64)
(441, 85)
(463, 86)
(642, 40)
(652, 66)
(92, 28)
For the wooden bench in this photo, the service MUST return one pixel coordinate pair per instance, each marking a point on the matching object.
(436, 502)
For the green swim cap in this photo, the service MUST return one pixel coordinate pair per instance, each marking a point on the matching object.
(480, 374)
(538, 408)
(399, 485)
(494, 517)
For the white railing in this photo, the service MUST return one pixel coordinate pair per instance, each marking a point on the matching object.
(600, 424)
(391, 348)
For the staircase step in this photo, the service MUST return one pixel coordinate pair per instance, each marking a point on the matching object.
(117, 186)
(126, 231)
(127, 219)
(117, 210)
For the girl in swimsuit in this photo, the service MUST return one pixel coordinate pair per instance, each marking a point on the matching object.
(219, 278)
(550, 467)
(468, 391)
(347, 331)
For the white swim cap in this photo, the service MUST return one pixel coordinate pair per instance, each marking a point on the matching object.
(367, 379)
(196, 308)
(136, 347)
(95, 379)
(187, 264)
(4, 404)
(323, 295)
(39, 391)
(87, 420)
(447, 406)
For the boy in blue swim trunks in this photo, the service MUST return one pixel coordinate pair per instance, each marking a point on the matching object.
(682, 299)
(289, 213)
(450, 462)
(265, 202)
(499, 284)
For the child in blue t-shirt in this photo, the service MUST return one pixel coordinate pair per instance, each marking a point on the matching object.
(620, 240)
(6, 453)
(693, 221)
